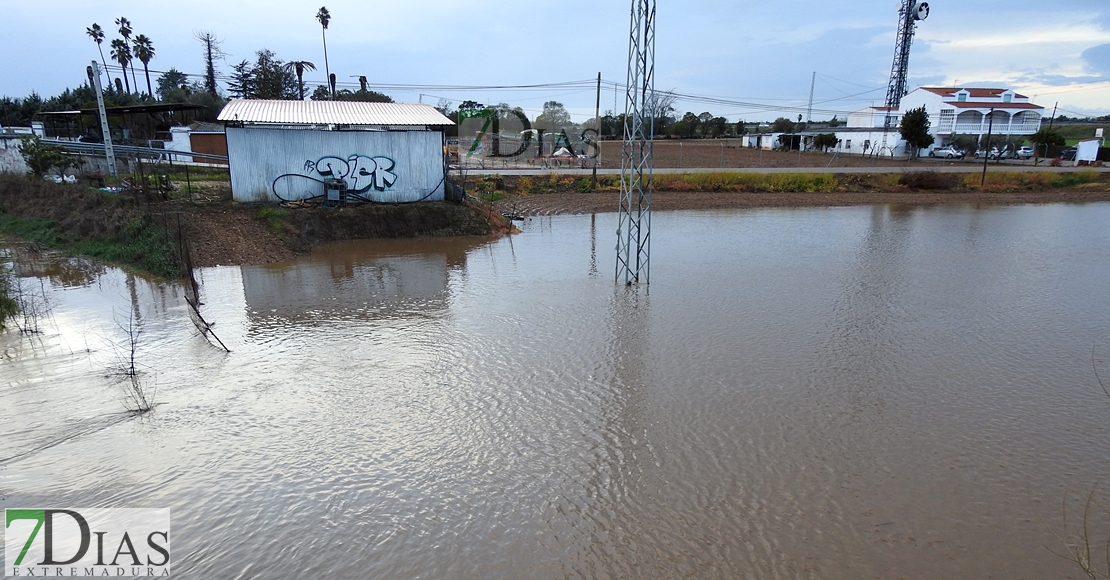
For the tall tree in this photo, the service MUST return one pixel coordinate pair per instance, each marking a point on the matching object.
(241, 85)
(144, 51)
(782, 125)
(915, 130)
(553, 117)
(324, 17)
(299, 66)
(171, 84)
(121, 53)
(267, 78)
(96, 33)
(211, 53)
(271, 79)
(125, 31)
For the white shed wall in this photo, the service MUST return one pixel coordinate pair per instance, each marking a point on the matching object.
(273, 165)
(180, 142)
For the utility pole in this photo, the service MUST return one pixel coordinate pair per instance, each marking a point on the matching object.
(109, 151)
(597, 116)
(987, 148)
(809, 111)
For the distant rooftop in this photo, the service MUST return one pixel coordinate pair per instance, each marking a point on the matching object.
(331, 113)
(130, 109)
(975, 93)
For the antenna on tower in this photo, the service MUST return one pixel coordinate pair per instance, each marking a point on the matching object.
(909, 15)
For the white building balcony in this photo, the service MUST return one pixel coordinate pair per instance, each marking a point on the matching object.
(977, 123)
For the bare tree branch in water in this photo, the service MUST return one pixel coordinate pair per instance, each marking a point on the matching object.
(1094, 367)
(138, 399)
(1082, 543)
(192, 291)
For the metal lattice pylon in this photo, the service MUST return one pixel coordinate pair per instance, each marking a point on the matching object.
(908, 15)
(634, 228)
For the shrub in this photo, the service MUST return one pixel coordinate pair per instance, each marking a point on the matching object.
(928, 180)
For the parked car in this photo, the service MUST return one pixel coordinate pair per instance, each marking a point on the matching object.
(948, 152)
(994, 153)
(1068, 154)
(1025, 152)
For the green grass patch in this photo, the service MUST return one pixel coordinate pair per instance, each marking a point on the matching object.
(144, 245)
(38, 230)
(1074, 179)
(274, 218)
(141, 244)
(757, 182)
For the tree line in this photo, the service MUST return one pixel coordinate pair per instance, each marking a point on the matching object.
(266, 77)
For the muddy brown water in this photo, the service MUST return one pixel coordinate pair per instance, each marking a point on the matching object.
(864, 392)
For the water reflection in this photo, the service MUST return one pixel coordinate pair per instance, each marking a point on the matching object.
(817, 393)
(65, 271)
(360, 279)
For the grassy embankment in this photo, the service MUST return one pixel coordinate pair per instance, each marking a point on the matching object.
(113, 228)
(141, 232)
(496, 187)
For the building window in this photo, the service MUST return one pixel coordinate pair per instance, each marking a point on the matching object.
(1006, 98)
(866, 144)
(947, 117)
(848, 144)
(961, 97)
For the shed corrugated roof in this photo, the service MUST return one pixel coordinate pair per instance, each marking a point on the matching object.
(332, 113)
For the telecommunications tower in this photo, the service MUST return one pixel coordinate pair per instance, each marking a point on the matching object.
(634, 228)
(909, 15)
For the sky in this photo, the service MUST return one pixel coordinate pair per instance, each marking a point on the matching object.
(758, 57)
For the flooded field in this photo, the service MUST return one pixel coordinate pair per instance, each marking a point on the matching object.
(845, 393)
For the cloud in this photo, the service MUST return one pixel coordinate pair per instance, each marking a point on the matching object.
(1098, 58)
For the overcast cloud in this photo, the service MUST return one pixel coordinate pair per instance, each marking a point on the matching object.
(761, 52)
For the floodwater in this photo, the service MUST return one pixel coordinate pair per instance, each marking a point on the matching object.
(847, 393)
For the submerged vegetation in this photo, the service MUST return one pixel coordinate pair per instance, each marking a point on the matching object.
(8, 306)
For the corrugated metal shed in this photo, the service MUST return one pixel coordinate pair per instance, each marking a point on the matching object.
(274, 165)
(332, 113)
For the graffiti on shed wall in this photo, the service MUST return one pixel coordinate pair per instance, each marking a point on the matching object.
(363, 175)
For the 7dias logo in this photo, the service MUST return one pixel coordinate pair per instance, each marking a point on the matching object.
(87, 542)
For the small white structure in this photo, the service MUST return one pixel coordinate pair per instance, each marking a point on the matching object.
(180, 143)
(286, 150)
(1086, 151)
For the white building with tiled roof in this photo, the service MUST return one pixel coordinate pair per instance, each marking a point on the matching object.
(952, 111)
(971, 111)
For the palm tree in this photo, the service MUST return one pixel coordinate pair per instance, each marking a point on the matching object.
(121, 53)
(96, 33)
(144, 51)
(325, 17)
(299, 66)
(125, 31)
